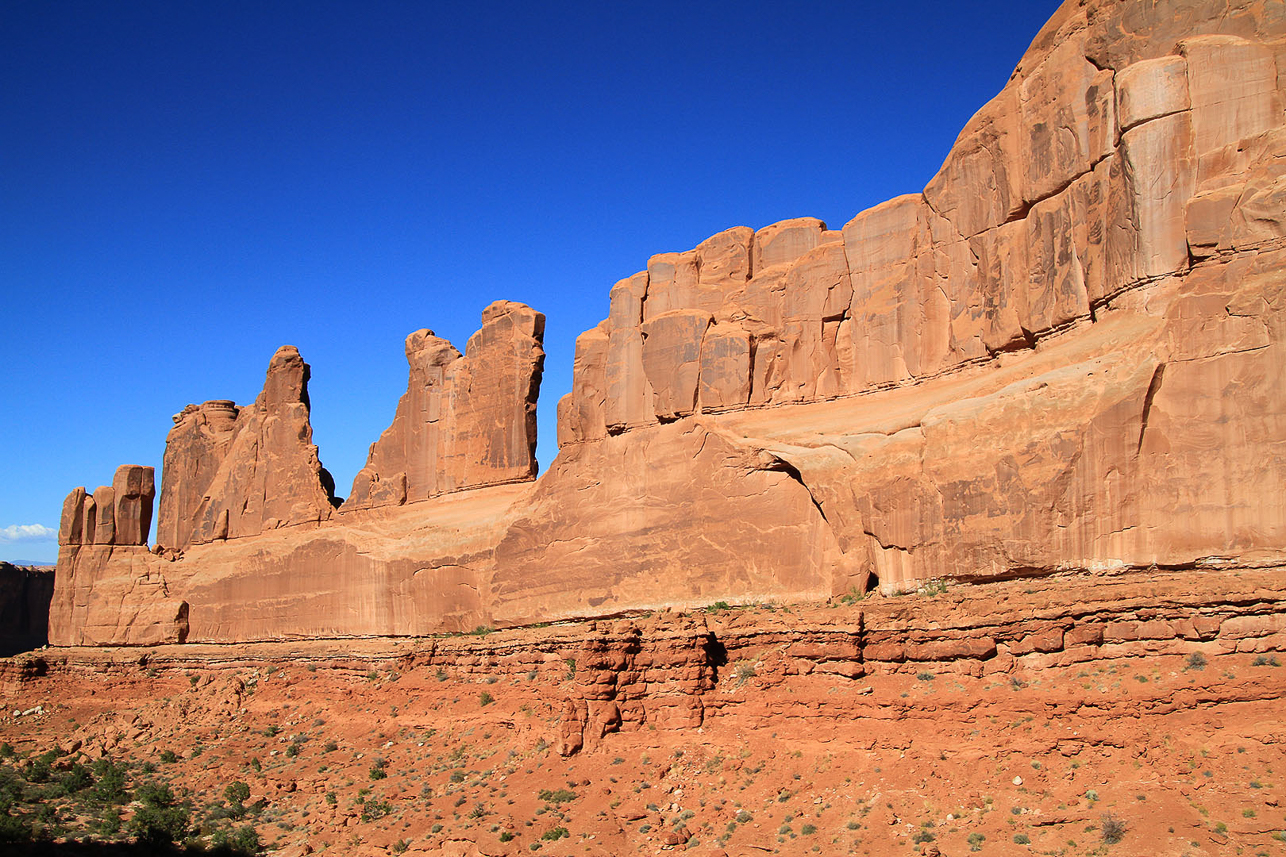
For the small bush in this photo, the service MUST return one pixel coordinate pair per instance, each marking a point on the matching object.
(743, 670)
(377, 770)
(975, 841)
(934, 587)
(555, 834)
(168, 757)
(1196, 661)
(77, 779)
(160, 821)
(110, 788)
(15, 829)
(293, 750)
(485, 699)
(109, 822)
(557, 796)
(1265, 661)
(236, 793)
(1113, 829)
(242, 840)
(744, 817)
(375, 809)
(506, 836)
(1022, 839)
(330, 747)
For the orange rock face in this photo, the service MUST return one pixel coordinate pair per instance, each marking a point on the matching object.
(1065, 354)
(194, 450)
(233, 472)
(465, 421)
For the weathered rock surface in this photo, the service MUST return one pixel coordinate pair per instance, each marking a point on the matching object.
(465, 421)
(108, 587)
(238, 472)
(116, 514)
(194, 450)
(1075, 184)
(1066, 354)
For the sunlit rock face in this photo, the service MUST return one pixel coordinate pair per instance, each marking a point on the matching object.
(1064, 354)
(466, 420)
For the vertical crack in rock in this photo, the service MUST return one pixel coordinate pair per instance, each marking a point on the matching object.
(1153, 386)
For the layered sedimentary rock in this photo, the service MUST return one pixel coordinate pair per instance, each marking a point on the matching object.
(466, 420)
(1049, 204)
(1065, 354)
(107, 586)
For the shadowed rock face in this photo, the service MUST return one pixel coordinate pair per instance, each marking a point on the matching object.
(1065, 354)
(24, 607)
(466, 420)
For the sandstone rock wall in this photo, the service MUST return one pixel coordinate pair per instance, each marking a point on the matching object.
(116, 514)
(465, 421)
(268, 475)
(1066, 354)
(1123, 140)
(194, 450)
(107, 587)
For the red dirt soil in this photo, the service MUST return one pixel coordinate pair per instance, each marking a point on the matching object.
(1020, 712)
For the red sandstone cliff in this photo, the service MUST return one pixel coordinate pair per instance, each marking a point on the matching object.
(1066, 353)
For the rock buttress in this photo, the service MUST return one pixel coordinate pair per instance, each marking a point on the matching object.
(466, 420)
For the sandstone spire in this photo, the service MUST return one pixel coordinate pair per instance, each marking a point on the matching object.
(465, 420)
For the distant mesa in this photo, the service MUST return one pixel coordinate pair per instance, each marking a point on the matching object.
(1064, 355)
(25, 593)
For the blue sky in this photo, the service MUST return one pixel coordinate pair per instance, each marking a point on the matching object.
(186, 186)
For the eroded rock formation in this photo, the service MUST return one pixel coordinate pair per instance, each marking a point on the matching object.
(465, 421)
(1064, 354)
(268, 475)
(116, 514)
(194, 450)
(107, 587)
